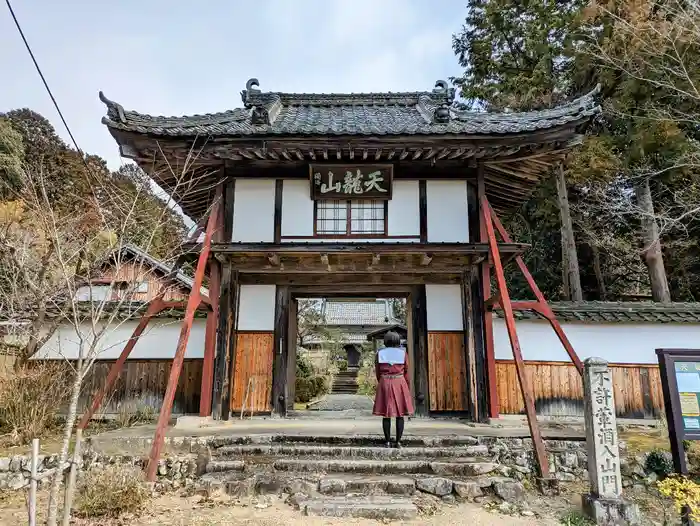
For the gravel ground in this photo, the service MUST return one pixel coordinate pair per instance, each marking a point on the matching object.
(345, 402)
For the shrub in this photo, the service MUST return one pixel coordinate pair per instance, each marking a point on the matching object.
(684, 492)
(659, 462)
(320, 385)
(368, 382)
(304, 367)
(309, 388)
(31, 398)
(111, 492)
(342, 365)
(576, 518)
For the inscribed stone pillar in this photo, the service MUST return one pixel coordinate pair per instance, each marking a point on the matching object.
(604, 503)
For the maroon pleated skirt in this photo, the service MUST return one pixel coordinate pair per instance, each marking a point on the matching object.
(393, 397)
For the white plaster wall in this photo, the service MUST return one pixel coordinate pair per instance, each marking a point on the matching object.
(448, 220)
(158, 341)
(297, 208)
(257, 308)
(615, 342)
(444, 305)
(403, 212)
(254, 210)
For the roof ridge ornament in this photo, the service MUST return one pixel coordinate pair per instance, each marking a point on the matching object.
(250, 89)
(113, 107)
(442, 90)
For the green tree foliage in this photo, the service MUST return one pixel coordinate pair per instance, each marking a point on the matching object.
(11, 158)
(525, 55)
(516, 55)
(61, 212)
(81, 185)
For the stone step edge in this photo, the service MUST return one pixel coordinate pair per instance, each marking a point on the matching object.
(476, 453)
(361, 508)
(389, 467)
(368, 466)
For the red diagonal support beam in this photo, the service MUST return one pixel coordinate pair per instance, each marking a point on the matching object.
(525, 386)
(544, 307)
(154, 307)
(192, 304)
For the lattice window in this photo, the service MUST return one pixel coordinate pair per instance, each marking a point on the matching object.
(332, 217)
(356, 218)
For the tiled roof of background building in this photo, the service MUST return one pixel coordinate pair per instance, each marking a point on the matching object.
(358, 313)
(617, 312)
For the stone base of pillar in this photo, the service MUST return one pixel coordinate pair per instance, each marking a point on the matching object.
(548, 487)
(611, 512)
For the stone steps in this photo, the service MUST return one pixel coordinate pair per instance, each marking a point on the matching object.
(474, 453)
(366, 485)
(374, 507)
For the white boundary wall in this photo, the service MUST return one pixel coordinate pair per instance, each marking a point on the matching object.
(615, 342)
(158, 341)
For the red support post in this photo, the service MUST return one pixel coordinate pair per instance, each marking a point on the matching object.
(192, 304)
(543, 306)
(525, 386)
(154, 308)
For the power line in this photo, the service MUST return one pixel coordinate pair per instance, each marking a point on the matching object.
(46, 84)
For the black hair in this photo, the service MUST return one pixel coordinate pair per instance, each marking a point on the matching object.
(392, 339)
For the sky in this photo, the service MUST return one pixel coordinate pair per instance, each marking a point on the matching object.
(177, 57)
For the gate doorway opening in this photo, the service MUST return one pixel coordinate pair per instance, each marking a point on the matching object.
(333, 340)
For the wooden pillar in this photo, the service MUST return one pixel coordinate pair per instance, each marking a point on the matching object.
(419, 318)
(472, 393)
(279, 361)
(489, 346)
(226, 306)
(474, 284)
(423, 210)
(207, 390)
(279, 183)
(292, 353)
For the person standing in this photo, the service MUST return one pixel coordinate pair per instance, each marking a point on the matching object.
(393, 398)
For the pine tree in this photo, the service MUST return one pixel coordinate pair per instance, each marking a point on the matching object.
(518, 56)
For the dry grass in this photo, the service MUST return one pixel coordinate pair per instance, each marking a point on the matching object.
(30, 400)
(135, 412)
(111, 492)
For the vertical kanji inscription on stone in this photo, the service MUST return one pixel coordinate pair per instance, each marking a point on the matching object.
(601, 430)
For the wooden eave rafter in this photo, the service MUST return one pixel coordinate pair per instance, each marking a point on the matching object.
(514, 163)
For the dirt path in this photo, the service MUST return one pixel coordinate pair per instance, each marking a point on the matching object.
(180, 511)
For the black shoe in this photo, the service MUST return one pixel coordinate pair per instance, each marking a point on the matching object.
(387, 445)
(398, 445)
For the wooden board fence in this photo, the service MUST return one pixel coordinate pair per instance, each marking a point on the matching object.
(447, 375)
(252, 376)
(559, 389)
(142, 383)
